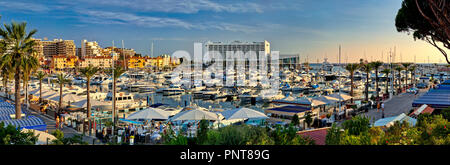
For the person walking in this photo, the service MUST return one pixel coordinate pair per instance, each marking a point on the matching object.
(57, 122)
(378, 107)
(382, 110)
(61, 124)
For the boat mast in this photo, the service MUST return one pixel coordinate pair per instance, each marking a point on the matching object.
(113, 90)
(340, 81)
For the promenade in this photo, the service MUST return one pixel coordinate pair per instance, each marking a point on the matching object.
(397, 105)
(68, 131)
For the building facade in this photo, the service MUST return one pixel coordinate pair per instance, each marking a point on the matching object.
(261, 49)
(56, 47)
(61, 62)
(96, 61)
(89, 49)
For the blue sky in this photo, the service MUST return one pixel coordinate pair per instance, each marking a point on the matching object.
(313, 28)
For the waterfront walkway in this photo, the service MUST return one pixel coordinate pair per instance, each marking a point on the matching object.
(395, 106)
(68, 131)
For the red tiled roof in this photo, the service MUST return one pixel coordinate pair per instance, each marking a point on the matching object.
(428, 110)
(318, 135)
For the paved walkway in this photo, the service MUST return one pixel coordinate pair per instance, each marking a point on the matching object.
(397, 105)
(68, 131)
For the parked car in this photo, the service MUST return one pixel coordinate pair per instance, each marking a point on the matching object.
(412, 90)
(422, 85)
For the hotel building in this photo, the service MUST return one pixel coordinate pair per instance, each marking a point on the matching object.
(55, 48)
(235, 46)
(89, 49)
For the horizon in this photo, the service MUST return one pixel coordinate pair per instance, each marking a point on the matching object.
(312, 29)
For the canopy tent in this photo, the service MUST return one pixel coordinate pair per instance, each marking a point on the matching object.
(301, 101)
(44, 92)
(83, 103)
(341, 96)
(389, 121)
(68, 97)
(49, 95)
(5, 104)
(28, 123)
(33, 92)
(131, 121)
(326, 99)
(310, 101)
(37, 91)
(243, 113)
(195, 114)
(435, 98)
(43, 137)
(150, 114)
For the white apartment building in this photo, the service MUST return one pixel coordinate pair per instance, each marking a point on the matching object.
(89, 49)
(245, 47)
(235, 46)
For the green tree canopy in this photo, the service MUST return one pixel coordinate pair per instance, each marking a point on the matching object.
(427, 20)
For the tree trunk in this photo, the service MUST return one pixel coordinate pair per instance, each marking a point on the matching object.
(351, 85)
(40, 91)
(5, 85)
(88, 82)
(376, 84)
(387, 84)
(60, 97)
(17, 93)
(406, 80)
(367, 86)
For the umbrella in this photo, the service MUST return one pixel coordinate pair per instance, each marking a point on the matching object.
(49, 94)
(327, 99)
(44, 92)
(83, 103)
(67, 97)
(33, 92)
(243, 113)
(195, 114)
(310, 101)
(342, 96)
(150, 114)
(42, 136)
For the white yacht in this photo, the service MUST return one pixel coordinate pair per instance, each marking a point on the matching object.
(125, 101)
(172, 90)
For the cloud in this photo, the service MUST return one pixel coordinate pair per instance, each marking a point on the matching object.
(180, 6)
(21, 6)
(106, 17)
(120, 18)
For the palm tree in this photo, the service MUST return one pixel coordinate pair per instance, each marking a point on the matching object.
(352, 68)
(386, 71)
(406, 68)
(29, 65)
(61, 80)
(117, 73)
(412, 69)
(367, 67)
(376, 65)
(40, 75)
(19, 46)
(88, 72)
(399, 69)
(6, 76)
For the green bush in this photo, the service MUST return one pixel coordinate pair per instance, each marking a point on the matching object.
(10, 135)
(446, 113)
